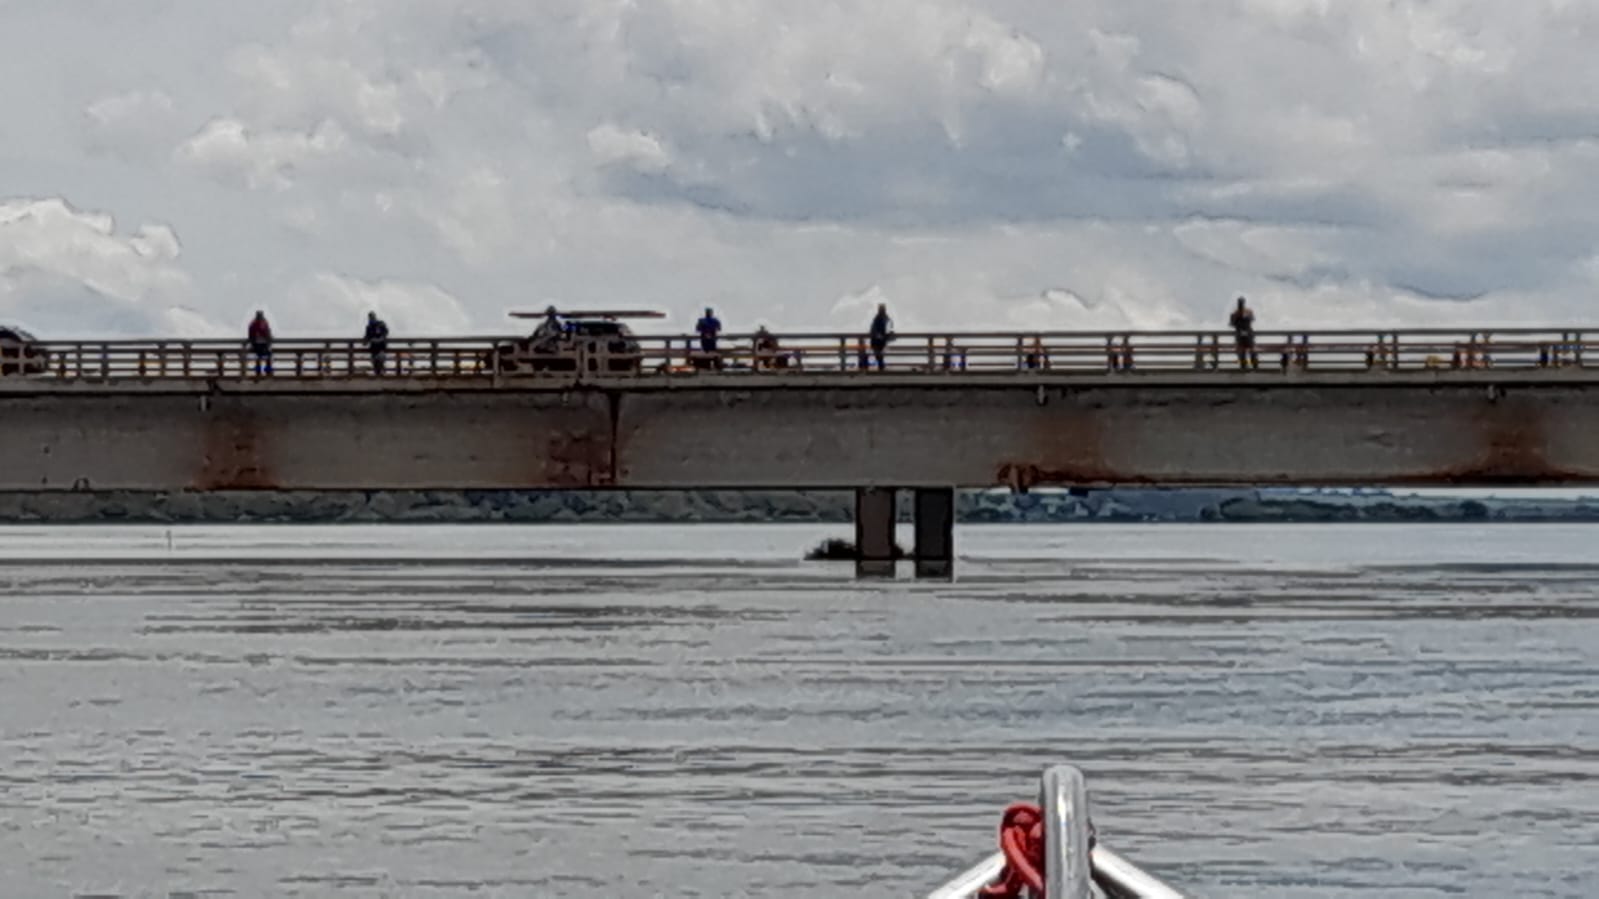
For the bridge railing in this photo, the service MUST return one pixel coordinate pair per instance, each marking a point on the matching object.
(774, 355)
(1123, 352)
(146, 359)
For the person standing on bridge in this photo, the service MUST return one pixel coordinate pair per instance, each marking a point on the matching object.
(547, 336)
(882, 332)
(765, 346)
(1243, 325)
(260, 338)
(377, 340)
(709, 327)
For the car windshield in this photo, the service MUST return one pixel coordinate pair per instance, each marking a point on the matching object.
(597, 328)
(10, 333)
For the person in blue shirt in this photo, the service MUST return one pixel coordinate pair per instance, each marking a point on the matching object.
(708, 328)
(882, 332)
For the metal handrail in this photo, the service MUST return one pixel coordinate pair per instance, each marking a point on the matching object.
(969, 352)
(1076, 864)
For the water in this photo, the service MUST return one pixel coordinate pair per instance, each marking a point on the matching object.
(688, 711)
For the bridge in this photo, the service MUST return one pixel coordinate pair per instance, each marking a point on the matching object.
(810, 411)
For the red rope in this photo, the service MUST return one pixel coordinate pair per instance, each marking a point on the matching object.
(1021, 838)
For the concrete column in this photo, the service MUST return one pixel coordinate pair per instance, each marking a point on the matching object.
(935, 532)
(874, 532)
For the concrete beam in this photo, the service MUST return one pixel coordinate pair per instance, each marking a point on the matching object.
(306, 441)
(749, 432)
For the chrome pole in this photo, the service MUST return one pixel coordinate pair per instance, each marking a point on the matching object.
(1067, 869)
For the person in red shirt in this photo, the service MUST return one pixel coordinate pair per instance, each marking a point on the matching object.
(260, 337)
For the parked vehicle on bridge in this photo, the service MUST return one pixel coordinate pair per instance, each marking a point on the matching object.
(564, 338)
(20, 353)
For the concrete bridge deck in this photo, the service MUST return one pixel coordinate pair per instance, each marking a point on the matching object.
(1342, 416)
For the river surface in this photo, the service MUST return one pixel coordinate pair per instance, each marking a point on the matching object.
(1269, 712)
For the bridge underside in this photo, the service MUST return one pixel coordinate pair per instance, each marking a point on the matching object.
(1014, 432)
(929, 435)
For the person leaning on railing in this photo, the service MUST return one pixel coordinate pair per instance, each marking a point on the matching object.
(259, 336)
(1037, 357)
(377, 340)
(1242, 321)
(882, 331)
(766, 350)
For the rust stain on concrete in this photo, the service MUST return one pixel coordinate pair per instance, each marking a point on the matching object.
(582, 454)
(232, 453)
(1066, 439)
(1511, 448)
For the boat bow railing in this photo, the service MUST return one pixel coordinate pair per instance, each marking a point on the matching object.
(1076, 865)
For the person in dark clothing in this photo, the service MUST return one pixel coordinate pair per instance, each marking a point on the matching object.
(377, 340)
(260, 338)
(765, 346)
(881, 333)
(708, 327)
(1242, 322)
(547, 336)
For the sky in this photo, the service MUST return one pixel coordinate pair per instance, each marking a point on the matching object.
(169, 166)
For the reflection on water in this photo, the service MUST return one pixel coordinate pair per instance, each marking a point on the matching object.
(636, 711)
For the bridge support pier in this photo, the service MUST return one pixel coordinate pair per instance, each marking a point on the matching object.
(875, 520)
(935, 532)
(874, 532)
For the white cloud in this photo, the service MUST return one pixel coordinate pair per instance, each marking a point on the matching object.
(68, 272)
(135, 124)
(333, 304)
(971, 162)
(641, 151)
(231, 151)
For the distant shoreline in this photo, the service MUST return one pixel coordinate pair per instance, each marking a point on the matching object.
(1112, 506)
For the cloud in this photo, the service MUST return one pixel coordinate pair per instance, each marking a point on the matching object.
(333, 304)
(973, 163)
(231, 151)
(135, 125)
(640, 151)
(66, 272)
